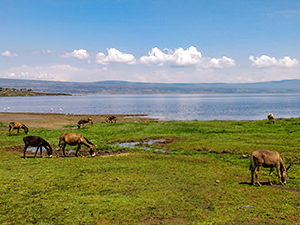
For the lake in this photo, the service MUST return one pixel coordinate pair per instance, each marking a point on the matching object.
(165, 107)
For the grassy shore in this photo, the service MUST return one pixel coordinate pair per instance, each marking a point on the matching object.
(201, 177)
(18, 93)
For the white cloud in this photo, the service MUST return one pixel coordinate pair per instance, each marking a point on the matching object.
(79, 54)
(188, 57)
(9, 54)
(221, 62)
(287, 62)
(114, 56)
(267, 61)
(155, 57)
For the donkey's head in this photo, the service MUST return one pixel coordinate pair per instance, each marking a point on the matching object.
(92, 150)
(49, 151)
(284, 174)
(25, 128)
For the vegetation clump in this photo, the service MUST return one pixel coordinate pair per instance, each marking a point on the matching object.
(12, 92)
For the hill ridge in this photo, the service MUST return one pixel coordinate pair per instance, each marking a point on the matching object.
(127, 87)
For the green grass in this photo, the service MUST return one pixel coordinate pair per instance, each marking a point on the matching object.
(154, 188)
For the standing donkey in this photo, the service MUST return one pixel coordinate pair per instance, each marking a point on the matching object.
(269, 159)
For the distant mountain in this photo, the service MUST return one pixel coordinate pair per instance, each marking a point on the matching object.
(125, 87)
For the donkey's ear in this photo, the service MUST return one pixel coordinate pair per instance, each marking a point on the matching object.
(289, 167)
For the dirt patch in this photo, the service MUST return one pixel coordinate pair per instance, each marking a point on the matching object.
(281, 187)
(58, 121)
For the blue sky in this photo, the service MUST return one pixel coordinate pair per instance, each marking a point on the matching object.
(150, 41)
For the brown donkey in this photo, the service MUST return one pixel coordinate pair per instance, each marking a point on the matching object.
(75, 139)
(18, 126)
(83, 121)
(269, 159)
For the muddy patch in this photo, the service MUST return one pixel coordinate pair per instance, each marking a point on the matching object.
(154, 144)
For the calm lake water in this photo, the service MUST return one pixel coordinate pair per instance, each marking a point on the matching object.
(166, 107)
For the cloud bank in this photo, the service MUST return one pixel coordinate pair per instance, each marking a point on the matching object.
(267, 61)
(167, 65)
(180, 57)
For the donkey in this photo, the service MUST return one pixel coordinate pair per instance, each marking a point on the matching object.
(38, 142)
(18, 126)
(111, 119)
(268, 159)
(82, 121)
(75, 139)
(271, 118)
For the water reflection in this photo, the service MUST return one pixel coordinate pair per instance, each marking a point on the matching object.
(165, 107)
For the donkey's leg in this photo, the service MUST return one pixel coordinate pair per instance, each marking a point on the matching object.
(41, 151)
(37, 149)
(25, 148)
(63, 148)
(77, 150)
(270, 175)
(279, 174)
(256, 175)
(252, 175)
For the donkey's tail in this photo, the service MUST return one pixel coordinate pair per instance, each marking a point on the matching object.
(251, 161)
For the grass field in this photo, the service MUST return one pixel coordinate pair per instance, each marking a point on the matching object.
(202, 177)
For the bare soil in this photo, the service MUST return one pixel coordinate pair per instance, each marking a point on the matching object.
(58, 121)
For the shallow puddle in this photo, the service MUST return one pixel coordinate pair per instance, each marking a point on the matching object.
(142, 144)
(32, 149)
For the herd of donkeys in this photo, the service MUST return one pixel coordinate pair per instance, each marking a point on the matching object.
(259, 158)
(64, 139)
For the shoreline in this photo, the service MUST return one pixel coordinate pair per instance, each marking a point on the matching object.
(30, 94)
(60, 120)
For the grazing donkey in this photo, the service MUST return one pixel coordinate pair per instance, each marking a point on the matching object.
(271, 118)
(82, 121)
(111, 119)
(75, 139)
(38, 142)
(269, 159)
(18, 126)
